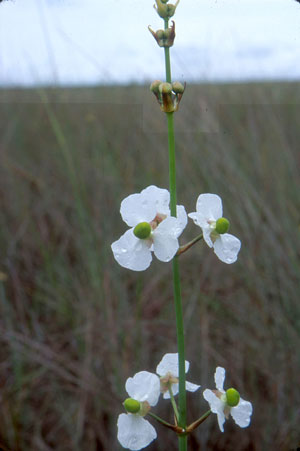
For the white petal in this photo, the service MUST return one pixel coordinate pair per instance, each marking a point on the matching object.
(134, 432)
(216, 406)
(165, 242)
(191, 387)
(206, 236)
(242, 413)
(220, 378)
(131, 252)
(209, 207)
(181, 218)
(137, 208)
(144, 386)
(175, 390)
(169, 364)
(160, 197)
(227, 247)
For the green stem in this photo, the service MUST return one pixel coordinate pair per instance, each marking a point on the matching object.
(197, 423)
(160, 420)
(167, 57)
(174, 405)
(187, 246)
(176, 276)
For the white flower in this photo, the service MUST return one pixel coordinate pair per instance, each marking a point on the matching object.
(217, 400)
(150, 207)
(209, 211)
(134, 432)
(168, 371)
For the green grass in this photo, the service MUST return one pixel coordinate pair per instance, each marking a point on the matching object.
(74, 325)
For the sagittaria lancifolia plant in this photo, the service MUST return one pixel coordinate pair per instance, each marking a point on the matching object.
(155, 224)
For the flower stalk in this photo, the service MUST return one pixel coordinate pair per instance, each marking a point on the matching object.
(176, 276)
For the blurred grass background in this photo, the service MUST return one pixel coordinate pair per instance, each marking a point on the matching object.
(74, 325)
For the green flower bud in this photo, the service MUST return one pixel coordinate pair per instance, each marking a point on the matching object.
(164, 38)
(222, 225)
(171, 10)
(232, 397)
(142, 230)
(165, 88)
(178, 87)
(161, 9)
(154, 87)
(160, 34)
(131, 405)
(165, 11)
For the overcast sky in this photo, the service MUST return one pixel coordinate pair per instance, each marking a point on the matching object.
(107, 41)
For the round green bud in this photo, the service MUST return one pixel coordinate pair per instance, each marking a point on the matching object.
(154, 87)
(232, 397)
(222, 225)
(160, 34)
(178, 87)
(131, 405)
(171, 10)
(164, 1)
(142, 230)
(165, 88)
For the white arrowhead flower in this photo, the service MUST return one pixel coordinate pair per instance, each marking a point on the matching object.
(134, 432)
(168, 371)
(214, 227)
(152, 229)
(224, 403)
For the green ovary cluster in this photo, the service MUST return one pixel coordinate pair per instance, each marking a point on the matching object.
(142, 230)
(222, 225)
(232, 397)
(131, 405)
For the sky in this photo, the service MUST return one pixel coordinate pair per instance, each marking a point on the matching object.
(78, 42)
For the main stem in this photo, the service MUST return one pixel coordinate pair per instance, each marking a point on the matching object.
(176, 276)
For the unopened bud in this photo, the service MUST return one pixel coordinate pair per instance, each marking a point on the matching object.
(142, 230)
(165, 88)
(178, 87)
(154, 87)
(222, 225)
(167, 98)
(132, 405)
(161, 9)
(232, 397)
(164, 38)
(164, 10)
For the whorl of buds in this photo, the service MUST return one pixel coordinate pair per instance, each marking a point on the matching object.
(164, 10)
(168, 95)
(164, 38)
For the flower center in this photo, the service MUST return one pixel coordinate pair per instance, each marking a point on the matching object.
(142, 230)
(132, 405)
(167, 381)
(222, 225)
(232, 397)
(157, 220)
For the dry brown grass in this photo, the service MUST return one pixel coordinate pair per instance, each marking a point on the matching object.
(74, 325)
